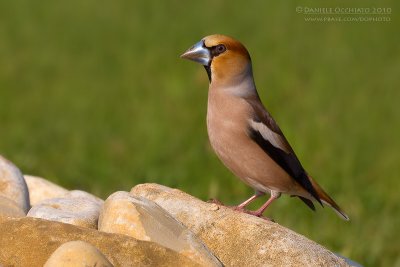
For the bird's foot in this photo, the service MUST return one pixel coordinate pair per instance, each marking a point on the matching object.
(250, 212)
(215, 201)
(257, 214)
(240, 209)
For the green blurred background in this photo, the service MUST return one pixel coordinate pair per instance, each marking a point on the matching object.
(93, 95)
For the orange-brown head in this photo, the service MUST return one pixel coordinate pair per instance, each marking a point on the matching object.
(225, 59)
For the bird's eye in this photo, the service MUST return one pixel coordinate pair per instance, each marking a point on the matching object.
(219, 49)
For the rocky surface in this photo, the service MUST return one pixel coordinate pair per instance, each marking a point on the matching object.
(9, 209)
(85, 195)
(153, 225)
(13, 185)
(77, 254)
(145, 220)
(239, 239)
(40, 189)
(80, 211)
(30, 242)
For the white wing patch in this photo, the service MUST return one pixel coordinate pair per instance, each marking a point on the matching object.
(275, 139)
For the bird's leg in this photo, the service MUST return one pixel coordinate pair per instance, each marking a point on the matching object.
(248, 201)
(260, 211)
(239, 207)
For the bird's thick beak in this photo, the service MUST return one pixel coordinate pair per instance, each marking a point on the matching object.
(198, 53)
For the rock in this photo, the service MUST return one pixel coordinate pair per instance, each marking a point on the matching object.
(30, 242)
(77, 254)
(145, 220)
(239, 239)
(13, 185)
(120, 215)
(9, 209)
(41, 189)
(77, 211)
(83, 194)
(349, 261)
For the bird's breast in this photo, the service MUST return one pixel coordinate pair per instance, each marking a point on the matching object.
(227, 126)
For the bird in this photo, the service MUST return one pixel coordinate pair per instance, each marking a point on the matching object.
(243, 133)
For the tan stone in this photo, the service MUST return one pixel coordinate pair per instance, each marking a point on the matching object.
(9, 209)
(83, 194)
(239, 239)
(120, 215)
(41, 189)
(30, 242)
(77, 254)
(145, 220)
(77, 211)
(13, 185)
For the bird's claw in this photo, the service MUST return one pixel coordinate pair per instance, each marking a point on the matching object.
(257, 214)
(240, 209)
(250, 212)
(215, 201)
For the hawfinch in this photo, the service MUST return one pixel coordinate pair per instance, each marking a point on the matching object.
(242, 132)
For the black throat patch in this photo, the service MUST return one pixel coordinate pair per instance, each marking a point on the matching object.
(208, 70)
(214, 51)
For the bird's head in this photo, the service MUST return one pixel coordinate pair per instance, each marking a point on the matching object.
(225, 59)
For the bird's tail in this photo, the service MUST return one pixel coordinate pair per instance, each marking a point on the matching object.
(325, 198)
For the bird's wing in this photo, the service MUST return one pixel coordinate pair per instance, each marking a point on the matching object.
(266, 133)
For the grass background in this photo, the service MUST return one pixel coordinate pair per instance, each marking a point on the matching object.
(93, 96)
